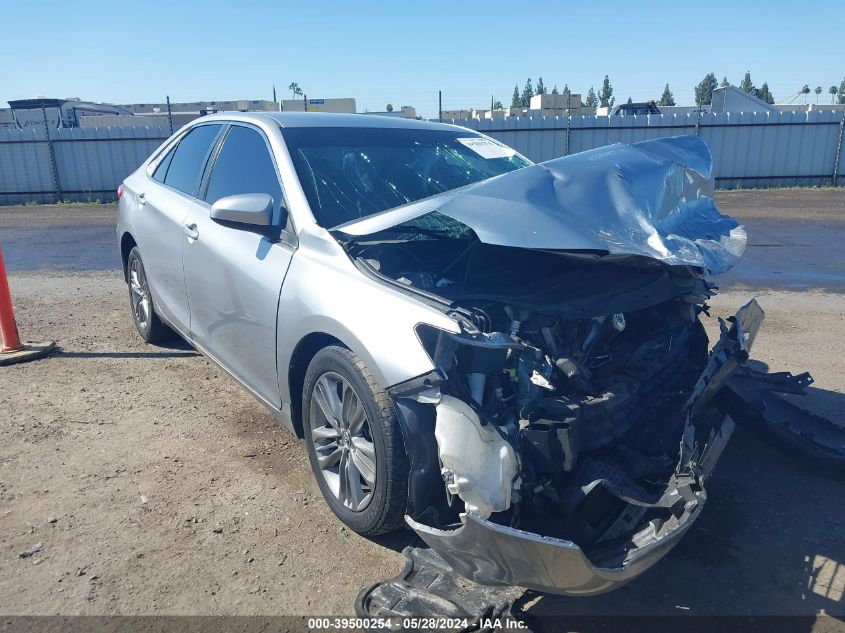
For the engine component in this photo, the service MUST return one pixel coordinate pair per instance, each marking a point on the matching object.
(551, 446)
(478, 465)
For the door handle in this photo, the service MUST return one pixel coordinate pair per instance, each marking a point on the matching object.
(191, 231)
(142, 200)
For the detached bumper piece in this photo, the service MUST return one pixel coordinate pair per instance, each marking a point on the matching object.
(428, 587)
(755, 400)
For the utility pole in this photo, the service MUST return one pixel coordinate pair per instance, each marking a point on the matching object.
(169, 115)
(305, 102)
(440, 106)
(54, 168)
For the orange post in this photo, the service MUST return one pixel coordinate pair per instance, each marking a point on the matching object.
(8, 327)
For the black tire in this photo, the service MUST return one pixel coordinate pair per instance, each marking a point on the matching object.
(151, 328)
(388, 499)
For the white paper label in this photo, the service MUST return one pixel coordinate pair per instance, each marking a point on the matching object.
(486, 148)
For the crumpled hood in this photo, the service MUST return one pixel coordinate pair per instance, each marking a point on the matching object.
(653, 198)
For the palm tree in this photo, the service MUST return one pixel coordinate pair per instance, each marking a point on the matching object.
(295, 89)
(818, 92)
(833, 92)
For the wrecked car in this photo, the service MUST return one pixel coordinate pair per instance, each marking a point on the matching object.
(507, 357)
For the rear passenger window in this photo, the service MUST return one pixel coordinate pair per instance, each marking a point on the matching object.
(161, 171)
(188, 160)
(244, 165)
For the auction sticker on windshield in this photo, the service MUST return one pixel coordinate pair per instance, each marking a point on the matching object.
(486, 148)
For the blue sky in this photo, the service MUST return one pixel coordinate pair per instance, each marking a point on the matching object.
(404, 52)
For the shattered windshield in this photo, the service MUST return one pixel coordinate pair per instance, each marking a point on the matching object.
(350, 173)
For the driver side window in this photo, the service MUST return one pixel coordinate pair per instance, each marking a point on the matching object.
(243, 166)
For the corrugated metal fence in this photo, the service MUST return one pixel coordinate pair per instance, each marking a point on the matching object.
(77, 164)
(749, 149)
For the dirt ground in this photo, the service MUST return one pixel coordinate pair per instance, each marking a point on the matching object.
(156, 485)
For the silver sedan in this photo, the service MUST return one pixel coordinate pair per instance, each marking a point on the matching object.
(507, 357)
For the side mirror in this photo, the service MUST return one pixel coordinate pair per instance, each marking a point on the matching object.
(249, 209)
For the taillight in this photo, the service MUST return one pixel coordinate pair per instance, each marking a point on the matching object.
(120, 192)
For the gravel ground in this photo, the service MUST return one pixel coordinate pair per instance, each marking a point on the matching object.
(156, 485)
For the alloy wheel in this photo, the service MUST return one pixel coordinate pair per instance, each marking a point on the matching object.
(342, 441)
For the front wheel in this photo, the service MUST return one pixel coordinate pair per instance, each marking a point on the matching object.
(354, 443)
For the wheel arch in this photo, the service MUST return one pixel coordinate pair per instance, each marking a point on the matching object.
(127, 243)
(301, 357)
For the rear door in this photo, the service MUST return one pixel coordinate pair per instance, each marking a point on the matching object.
(163, 207)
(233, 274)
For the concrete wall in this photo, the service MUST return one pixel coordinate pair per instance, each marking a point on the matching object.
(749, 149)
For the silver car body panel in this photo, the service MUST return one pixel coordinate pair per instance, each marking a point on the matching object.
(159, 217)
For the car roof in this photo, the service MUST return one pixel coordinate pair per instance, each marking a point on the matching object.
(327, 119)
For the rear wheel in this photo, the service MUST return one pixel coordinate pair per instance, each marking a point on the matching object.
(149, 326)
(354, 443)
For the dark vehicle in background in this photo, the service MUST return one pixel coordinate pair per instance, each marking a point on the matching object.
(629, 109)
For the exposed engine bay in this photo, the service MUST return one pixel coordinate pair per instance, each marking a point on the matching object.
(559, 410)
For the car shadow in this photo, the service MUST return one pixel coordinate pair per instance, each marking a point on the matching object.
(162, 354)
(172, 347)
(398, 540)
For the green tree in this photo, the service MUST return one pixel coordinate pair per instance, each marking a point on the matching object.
(295, 89)
(666, 99)
(498, 105)
(555, 90)
(516, 101)
(842, 92)
(833, 90)
(704, 90)
(389, 107)
(592, 101)
(818, 91)
(606, 95)
(764, 94)
(527, 93)
(725, 83)
(747, 84)
(541, 87)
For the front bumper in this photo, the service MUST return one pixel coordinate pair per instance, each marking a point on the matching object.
(493, 554)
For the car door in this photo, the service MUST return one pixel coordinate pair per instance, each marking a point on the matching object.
(234, 274)
(163, 207)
